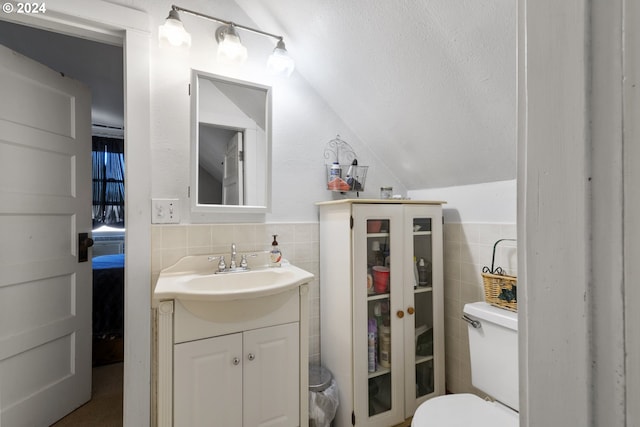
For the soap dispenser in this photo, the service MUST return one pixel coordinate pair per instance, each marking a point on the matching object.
(276, 255)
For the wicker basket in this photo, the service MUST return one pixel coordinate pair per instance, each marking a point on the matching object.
(499, 288)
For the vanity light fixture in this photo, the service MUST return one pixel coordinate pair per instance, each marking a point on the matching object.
(173, 31)
(230, 48)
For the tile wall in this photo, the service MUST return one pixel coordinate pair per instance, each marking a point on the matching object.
(298, 242)
(467, 248)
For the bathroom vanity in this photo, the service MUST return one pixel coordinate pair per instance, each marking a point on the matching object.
(232, 348)
(381, 306)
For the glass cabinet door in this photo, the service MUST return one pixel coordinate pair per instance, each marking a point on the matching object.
(424, 358)
(378, 315)
(421, 228)
(378, 331)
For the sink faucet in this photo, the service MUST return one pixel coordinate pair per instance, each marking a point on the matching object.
(233, 256)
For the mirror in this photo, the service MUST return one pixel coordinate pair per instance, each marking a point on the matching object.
(230, 145)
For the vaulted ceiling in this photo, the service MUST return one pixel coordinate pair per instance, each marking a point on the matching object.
(428, 85)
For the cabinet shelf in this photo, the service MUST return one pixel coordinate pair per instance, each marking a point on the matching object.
(379, 372)
(422, 233)
(375, 297)
(422, 289)
(422, 359)
(377, 234)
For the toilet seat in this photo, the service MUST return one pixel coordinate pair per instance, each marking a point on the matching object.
(463, 410)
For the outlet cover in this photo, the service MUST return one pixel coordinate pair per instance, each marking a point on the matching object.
(165, 211)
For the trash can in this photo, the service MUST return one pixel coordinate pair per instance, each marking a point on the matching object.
(323, 397)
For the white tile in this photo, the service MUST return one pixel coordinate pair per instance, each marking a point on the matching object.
(306, 233)
(285, 232)
(174, 236)
(199, 235)
(244, 236)
(221, 234)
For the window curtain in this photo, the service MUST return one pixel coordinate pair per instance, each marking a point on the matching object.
(108, 182)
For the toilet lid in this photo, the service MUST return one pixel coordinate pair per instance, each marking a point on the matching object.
(463, 410)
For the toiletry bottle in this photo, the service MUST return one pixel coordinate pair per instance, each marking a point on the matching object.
(415, 272)
(385, 344)
(371, 340)
(335, 171)
(377, 313)
(276, 255)
(422, 273)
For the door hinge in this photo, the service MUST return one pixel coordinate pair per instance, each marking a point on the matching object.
(351, 222)
(189, 192)
(189, 89)
(353, 418)
(241, 156)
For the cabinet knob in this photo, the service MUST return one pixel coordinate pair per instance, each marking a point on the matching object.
(251, 356)
(236, 360)
(410, 310)
(400, 314)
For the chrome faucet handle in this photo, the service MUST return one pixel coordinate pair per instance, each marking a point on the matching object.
(221, 264)
(243, 261)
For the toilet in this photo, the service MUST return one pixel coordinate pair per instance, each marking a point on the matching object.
(493, 346)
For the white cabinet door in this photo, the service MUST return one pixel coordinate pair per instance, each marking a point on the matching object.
(208, 382)
(272, 376)
(246, 379)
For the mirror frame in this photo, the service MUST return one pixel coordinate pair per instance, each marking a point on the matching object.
(199, 208)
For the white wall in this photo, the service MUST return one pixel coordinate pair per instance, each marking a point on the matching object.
(490, 202)
(302, 122)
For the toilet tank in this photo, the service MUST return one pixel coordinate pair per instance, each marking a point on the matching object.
(494, 352)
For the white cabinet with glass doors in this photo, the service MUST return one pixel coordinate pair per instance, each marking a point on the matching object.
(382, 316)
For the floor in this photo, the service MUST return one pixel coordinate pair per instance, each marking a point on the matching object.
(105, 407)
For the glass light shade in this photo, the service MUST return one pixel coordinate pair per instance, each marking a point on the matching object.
(173, 32)
(280, 62)
(231, 50)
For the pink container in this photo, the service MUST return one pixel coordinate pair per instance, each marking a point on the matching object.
(380, 279)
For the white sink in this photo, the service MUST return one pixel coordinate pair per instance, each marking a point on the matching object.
(193, 278)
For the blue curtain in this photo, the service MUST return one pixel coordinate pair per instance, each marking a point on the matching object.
(108, 182)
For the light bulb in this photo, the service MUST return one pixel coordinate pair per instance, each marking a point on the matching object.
(230, 50)
(173, 31)
(279, 61)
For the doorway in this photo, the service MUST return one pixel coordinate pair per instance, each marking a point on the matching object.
(100, 67)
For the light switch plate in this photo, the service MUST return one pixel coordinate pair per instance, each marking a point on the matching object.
(165, 211)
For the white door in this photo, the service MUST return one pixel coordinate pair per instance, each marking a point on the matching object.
(45, 201)
(208, 382)
(272, 376)
(232, 180)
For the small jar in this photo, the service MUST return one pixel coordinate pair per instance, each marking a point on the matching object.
(386, 192)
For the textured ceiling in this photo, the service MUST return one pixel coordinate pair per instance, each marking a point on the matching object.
(429, 85)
